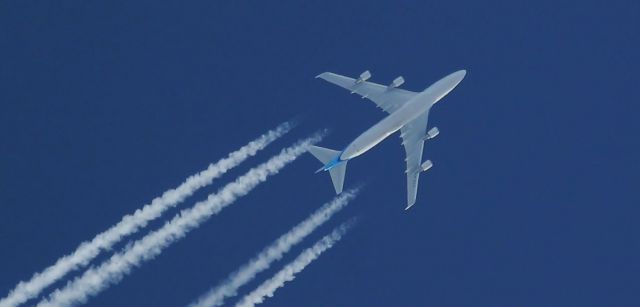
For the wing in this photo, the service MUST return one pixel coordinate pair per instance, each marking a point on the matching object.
(388, 98)
(412, 135)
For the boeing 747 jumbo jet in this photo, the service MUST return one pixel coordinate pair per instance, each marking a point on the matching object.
(408, 112)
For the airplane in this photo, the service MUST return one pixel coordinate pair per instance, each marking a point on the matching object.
(408, 112)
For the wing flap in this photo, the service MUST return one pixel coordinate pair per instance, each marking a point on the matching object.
(389, 99)
(412, 135)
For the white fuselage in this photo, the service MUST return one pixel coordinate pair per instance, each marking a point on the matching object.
(396, 120)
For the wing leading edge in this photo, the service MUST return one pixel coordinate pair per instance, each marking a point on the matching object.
(388, 98)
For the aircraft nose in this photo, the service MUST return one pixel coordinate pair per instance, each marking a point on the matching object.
(459, 75)
(455, 78)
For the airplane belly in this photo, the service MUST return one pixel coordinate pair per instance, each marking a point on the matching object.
(366, 141)
(383, 129)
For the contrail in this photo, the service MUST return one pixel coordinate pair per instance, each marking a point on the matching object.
(288, 273)
(273, 252)
(131, 223)
(94, 280)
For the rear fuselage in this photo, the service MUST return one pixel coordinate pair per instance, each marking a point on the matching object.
(396, 120)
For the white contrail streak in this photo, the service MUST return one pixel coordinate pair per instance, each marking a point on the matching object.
(288, 273)
(129, 224)
(273, 252)
(94, 280)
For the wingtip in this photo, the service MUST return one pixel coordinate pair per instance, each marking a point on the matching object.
(408, 206)
(321, 74)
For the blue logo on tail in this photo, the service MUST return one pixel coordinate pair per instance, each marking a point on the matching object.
(331, 164)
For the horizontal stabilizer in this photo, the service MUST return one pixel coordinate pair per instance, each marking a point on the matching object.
(325, 155)
(337, 176)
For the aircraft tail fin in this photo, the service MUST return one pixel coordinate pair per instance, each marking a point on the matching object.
(332, 163)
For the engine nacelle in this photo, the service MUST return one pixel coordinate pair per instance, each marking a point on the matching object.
(426, 165)
(433, 132)
(397, 82)
(364, 76)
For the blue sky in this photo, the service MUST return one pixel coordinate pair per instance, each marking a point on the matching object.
(532, 200)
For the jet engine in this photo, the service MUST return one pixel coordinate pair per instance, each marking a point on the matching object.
(364, 76)
(426, 165)
(432, 133)
(396, 82)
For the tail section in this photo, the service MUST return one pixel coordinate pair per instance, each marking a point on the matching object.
(325, 155)
(332, 163)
